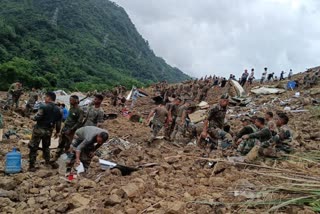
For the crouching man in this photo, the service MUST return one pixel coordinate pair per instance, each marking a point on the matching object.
(281, 142)
(85, 142)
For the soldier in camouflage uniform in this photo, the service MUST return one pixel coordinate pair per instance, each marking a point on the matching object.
(33, 98)
(248, 128)
(160, 118)
(72, 123)
(180, 126)
(279, 142)
(247, 142)
(48, 118)
(213, 125)
(94, 115)
(14, 93)
(173, 113)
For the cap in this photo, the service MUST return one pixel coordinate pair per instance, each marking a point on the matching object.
(225, 96)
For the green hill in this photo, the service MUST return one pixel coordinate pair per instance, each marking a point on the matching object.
(75, 44)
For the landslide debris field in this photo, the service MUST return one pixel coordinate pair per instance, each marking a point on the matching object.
(174, 178)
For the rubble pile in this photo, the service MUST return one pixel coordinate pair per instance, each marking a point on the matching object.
(171, 178)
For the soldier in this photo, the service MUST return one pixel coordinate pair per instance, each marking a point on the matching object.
(306, 81)
(247, 142)
(203, 92)
(244, 78)
(213, 125)
(270, 122)
(87, 140)
(172, 116)
(48, 118)
(160, 118)
(180, 121)
(72, 123)
(33, 98)
(248, 128)
(14, 94)
(281, 141)
(95, 113)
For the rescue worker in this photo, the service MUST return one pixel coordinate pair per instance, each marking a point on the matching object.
(94, 115)
(160, 119)
(48, 117)
(247, 142)
(72, 123)
(86, 141)
(172, 116)
(214, 124)
(13, 95)
(281, 141)
(33, 98)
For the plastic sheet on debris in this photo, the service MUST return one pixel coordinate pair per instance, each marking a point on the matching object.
(106, 164)
(265, 90)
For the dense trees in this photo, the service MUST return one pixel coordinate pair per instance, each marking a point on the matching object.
(75, 44)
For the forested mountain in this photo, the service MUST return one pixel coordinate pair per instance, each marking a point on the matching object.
(75, 44)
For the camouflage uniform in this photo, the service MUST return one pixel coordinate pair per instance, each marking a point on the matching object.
(33, 97)
(172, 108)
(73, 122)
(47, 118)
(257, 138)
(279, 142)
(246, 130)
(215, 130)
(94, 116)
(13, 95)
(179, 130)
(159, 119)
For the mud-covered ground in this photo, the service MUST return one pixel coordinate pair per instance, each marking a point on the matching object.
(183, 178)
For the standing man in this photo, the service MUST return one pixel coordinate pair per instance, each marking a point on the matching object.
(282, 75)
(87, 140)
(33, 98)
(47, 118)
(95, 113)
(244, 78)
(251, 77)
(72, 123)
(264, 75)
(160, 118)
(290, 74)
(213, 125)
(172, 116)
(180, 121)
(14, 94)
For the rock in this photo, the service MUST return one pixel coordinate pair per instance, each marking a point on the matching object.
(171, 160)
(53, 193)
(113, 200)
(219, 167)
(86, 183)
(176, 207)
(8, 194)
(131, 190)
(44, 173)
(131, 211)
(8, 183)
(34, 191)
(21, 177)
(62, 208)
(31, 202)
(78, 201)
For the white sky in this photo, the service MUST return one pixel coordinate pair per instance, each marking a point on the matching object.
(206, 37)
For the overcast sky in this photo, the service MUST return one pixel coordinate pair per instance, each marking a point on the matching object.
(203, 37)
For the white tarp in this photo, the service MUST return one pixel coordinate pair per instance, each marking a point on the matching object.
(198, 116)
(240, 91)
(265, 90)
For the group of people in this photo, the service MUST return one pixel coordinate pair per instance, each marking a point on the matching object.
(79, 137)
(271, 134)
